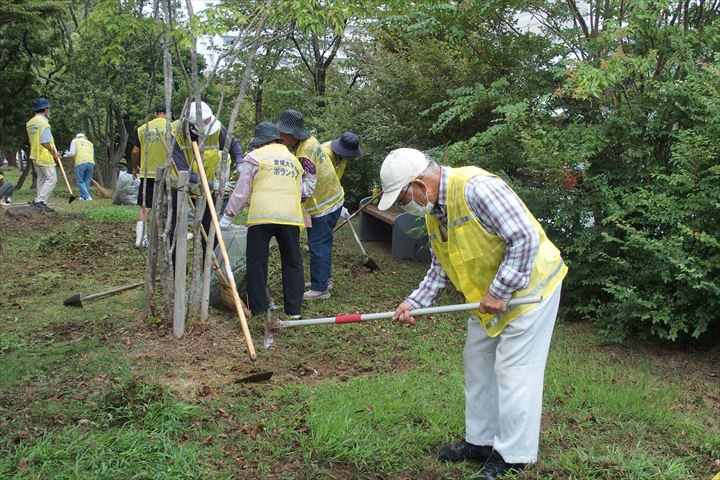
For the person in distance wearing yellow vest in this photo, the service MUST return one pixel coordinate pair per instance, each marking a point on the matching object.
(148, 153)
(341, 149)
(42, 152)
(325, 205)
(274, 183)
(83, 153)
(487, 243)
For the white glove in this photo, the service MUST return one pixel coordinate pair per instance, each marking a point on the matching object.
(344, 212)
(225, 222)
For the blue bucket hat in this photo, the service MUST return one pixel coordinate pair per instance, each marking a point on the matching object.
(293, 123)
(348, 145)
(40, 103)
(265, 132)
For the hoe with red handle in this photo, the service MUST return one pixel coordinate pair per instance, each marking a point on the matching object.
(273, 326)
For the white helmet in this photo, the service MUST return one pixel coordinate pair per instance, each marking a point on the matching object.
(212, 124)
(80, 135)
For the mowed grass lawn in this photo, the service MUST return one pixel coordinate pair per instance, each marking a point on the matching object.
(101, 393)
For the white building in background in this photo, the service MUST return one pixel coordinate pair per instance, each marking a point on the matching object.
(211, 47)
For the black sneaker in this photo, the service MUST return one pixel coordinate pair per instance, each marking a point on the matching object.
(462, 451)
(496, 468)
(45, 207)
(38, 205)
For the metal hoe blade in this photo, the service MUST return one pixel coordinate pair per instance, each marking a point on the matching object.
(273, 327)
(255, 377)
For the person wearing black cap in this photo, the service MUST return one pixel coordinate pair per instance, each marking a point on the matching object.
(323, 208)
(273, 182)
(148, 154)
(42, 152)
(341, 149)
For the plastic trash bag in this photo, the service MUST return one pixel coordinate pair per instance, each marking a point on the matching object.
(126, 189)
(235, 238)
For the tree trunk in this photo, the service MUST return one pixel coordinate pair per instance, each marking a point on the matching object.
(26, 170)
(258, 104)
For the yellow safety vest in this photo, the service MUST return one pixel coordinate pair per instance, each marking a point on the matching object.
(152, 146)
(328, 191)
(471, 255)
(211, 158)
(339, 165)
(38, 153)
(275, 196)
(84, 152)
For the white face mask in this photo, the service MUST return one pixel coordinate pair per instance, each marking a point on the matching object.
(414, 208)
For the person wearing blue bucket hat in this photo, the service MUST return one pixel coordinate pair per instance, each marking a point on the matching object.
(273, 183)
(341, 149)
(323, 209)
(42, 152)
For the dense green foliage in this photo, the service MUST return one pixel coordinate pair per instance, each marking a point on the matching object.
(604, 117)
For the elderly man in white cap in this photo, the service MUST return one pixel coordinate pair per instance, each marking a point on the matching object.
(83, 153)
(487, 243)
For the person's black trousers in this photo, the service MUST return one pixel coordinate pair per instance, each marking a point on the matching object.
(258, 250)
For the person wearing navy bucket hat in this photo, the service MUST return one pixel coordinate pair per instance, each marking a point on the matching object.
(323, 208)
(341, 149)
(272, 182)
(42, 152)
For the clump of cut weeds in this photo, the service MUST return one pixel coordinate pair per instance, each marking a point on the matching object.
(71, 236)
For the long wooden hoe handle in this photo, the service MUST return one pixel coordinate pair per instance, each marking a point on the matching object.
(223, 252)
(67, 184)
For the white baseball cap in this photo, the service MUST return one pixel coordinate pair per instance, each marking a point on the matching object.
(398, 169)
(212, 124)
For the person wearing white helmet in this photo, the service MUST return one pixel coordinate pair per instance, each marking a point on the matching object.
(215, 137)
(487, 243)
(83, 153)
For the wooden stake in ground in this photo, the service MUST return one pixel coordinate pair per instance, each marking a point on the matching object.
(223, 252)
(180, 254)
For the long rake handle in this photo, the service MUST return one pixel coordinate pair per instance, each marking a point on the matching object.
(364, 206)
(364, 317)
(224, 254)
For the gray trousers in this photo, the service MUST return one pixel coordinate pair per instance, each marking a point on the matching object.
(46, 180)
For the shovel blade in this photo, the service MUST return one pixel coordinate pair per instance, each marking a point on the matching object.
(72, 198)
(370, 264)
(255, 378)
(73, 301)
(273, 327)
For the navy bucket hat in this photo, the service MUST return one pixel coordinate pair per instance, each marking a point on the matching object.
(348, 145)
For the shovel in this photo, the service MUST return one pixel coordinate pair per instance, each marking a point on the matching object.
(76, 300)
(67, 184)
(226, 261)
(273, 326)
(369, 262)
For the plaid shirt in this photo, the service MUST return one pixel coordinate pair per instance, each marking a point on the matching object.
(501, 212)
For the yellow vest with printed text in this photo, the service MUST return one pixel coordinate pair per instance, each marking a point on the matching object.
(471, 255)
(152, 146)
(328, 191)
(38, 153)
(84, 152)
(339, 164)
(275, 196)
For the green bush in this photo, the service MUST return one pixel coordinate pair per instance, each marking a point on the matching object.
(112, 214)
